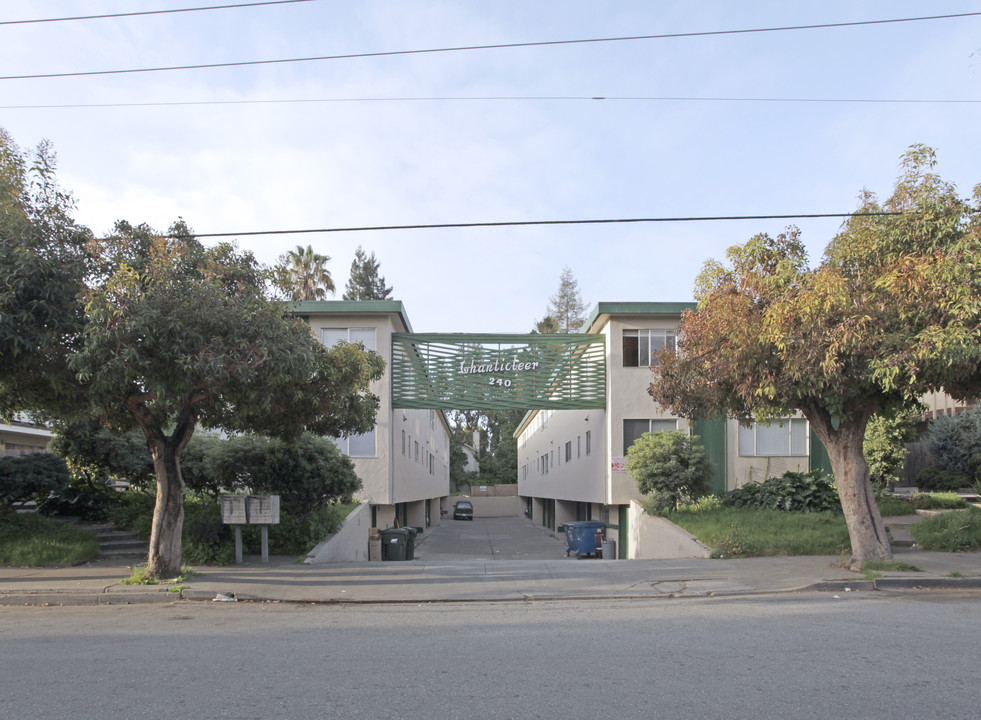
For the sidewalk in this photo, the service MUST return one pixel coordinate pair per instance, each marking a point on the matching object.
(422, 581)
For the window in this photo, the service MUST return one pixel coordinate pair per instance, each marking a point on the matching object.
(633, 429)
(639, 346)
(417, 451)
(357, 445)
(330, 336)
(786, 436)
(589, 444)
(403, 442)
(578, 446)
(568, 451)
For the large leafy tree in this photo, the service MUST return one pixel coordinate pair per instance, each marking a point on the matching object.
(365, 283)
(566, 307)
(302, 274)
(42, 267)
(178, 335)
(892, 311)
(141, 330)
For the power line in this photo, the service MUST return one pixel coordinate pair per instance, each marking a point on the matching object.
(500, 46)
(523, 223)
(149, 12)
(492, 98)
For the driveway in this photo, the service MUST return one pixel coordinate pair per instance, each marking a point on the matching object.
(496, 538)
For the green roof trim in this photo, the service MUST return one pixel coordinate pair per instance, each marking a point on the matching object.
(636, 308)
(352, 307)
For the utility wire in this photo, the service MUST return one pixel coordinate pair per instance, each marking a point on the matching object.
(149, 12)
(489, 98)
(467, 48)
(522, 223)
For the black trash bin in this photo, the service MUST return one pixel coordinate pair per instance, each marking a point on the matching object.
(394, 543)
(410, 542)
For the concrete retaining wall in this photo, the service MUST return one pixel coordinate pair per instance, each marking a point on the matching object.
(349, 544)
(655, 538)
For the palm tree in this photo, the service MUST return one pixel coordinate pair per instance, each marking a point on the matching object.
(303, 274)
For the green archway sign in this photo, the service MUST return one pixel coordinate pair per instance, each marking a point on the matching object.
(498, 372)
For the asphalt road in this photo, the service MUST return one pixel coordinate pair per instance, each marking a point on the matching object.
(808, 656)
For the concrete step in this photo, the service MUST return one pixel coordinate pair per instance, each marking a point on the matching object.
(114, 542)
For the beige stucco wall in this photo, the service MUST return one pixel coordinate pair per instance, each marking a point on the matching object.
(745, 470)
(390, 476)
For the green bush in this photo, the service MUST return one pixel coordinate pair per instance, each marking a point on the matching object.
(955, 443)
(86, 497)
(31, 477)
(938, 501)
(793, 492)
(133, 511)
(937, 479)
(958, 531)
(670, 468)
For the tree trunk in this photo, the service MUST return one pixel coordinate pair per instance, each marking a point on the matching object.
(164, 560)
(865, 527)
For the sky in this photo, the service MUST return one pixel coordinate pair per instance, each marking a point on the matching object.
(784, 122)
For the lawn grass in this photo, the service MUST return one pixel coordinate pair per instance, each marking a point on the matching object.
(744, 532)
(955, 531)
(29, 540)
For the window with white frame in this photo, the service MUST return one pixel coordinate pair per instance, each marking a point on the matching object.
(357, 445)
(589, 441)
(639, 346)
(568, 451)
(784, 436)
(633, 429)
(331, 336)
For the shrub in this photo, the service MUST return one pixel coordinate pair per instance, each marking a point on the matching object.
(794, 491)
(31, 477)
(85, 497)
(955, 443)
(133, 511)
(958, 531)
(886, 446)
(937, 479)
(938, 501)
(669, 467)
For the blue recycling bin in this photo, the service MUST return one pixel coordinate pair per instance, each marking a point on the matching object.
(580, 537)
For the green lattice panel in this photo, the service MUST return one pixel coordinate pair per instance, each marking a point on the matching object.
(498, 372)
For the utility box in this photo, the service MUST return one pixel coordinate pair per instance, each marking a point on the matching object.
(233, 510)
(262, 509)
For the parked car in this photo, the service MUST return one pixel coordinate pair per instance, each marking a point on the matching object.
(463, 510)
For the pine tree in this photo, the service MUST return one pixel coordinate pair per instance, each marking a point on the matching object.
(566, 306)
(365, 282)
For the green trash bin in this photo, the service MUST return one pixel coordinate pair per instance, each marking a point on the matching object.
(394, 544)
